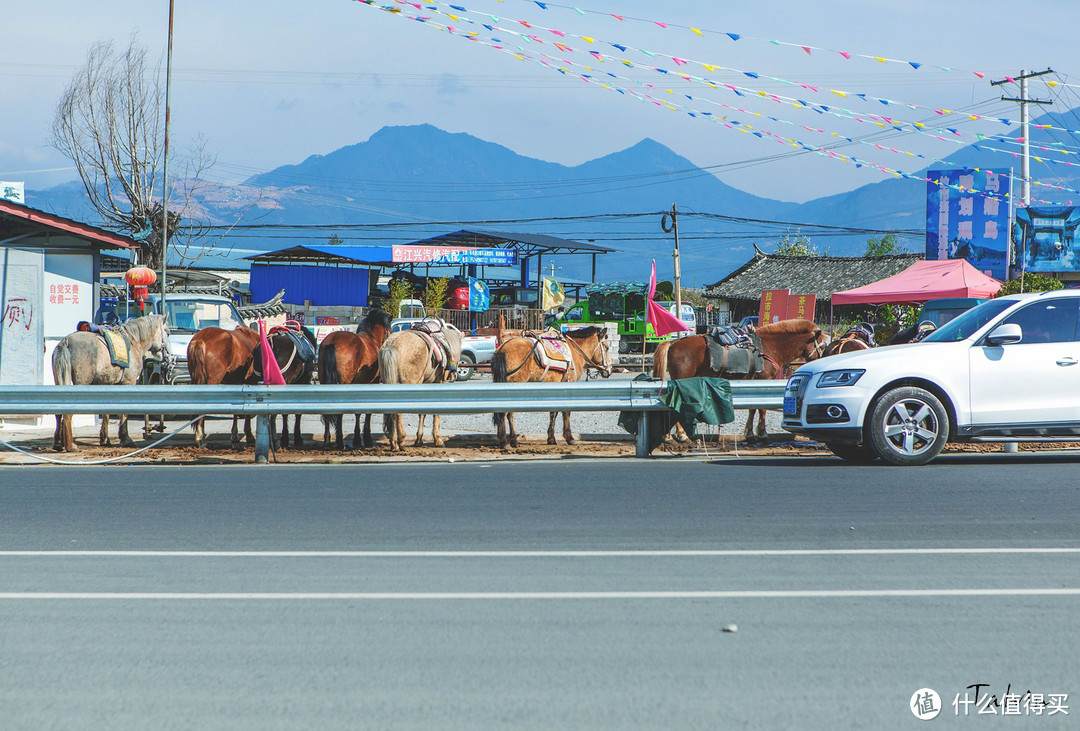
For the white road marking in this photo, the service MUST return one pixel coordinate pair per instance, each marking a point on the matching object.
(537, 595)
(733, 553)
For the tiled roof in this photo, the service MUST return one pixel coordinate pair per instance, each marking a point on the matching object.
(817, 275)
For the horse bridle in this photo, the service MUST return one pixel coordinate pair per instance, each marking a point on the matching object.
(605, 363)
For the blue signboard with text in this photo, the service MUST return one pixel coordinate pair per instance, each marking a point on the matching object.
(968, 213)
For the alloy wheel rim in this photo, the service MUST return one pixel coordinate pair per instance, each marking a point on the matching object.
(911, 426)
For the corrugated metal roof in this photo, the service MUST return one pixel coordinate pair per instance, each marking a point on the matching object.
(817, 275)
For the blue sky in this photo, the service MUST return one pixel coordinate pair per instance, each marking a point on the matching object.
(271, 83)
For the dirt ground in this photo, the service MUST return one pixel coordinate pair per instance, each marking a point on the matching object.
(457, 449)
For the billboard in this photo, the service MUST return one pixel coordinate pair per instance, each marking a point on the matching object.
(1048, 238)
(968, 212)
(453, 255)
(773, 308)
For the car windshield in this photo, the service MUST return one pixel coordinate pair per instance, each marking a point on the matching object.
(965, 325)
(196, 314)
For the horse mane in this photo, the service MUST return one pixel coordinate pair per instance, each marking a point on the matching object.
(795, 325)
(584, 332)
(142, 329)
(375, 318)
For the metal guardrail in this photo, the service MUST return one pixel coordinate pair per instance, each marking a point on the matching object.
(458, 398)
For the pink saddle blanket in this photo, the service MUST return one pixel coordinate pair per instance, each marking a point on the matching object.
(554, 352)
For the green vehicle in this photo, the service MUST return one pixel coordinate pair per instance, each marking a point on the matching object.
(623, 304)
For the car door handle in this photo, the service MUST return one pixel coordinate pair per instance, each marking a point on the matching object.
(1066, 361)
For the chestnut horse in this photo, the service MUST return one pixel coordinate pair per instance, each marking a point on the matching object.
(294, 348)
(408, 357)
(860, 337)
(781, 344)
(515, 362)
(82, 359)
(217, 356)
(346, 357)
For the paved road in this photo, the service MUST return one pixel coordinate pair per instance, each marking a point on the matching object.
(583, 594)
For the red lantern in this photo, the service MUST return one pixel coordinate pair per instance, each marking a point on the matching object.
(141, 278)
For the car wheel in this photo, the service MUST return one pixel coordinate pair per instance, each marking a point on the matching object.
(908, 426)
(466, 367)
(851, 452)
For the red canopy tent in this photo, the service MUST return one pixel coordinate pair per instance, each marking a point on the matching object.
(922, 281)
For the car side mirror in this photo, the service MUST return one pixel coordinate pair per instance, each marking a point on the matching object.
(1010, 332)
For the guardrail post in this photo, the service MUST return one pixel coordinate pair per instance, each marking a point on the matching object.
(262, 439)
(641, 439)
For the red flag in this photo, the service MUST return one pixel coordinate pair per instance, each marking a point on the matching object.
(663, 322)
(271, 372)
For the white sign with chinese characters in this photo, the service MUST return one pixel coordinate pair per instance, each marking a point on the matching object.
(69, 292)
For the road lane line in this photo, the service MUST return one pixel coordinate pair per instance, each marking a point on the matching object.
(538, 595)
(719, 553)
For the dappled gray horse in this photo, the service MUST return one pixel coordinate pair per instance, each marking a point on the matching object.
(82, 358)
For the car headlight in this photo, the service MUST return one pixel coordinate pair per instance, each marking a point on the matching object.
(831, 379)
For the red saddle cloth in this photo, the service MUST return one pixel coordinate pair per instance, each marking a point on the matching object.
(553, 352)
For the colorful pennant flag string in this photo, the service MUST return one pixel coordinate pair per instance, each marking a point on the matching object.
(606, 80)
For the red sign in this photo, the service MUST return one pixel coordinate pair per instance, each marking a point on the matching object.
(321, 320)
(774, 304)
(801, 306)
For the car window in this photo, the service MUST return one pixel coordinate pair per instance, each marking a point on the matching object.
(1047, 321)
(965, 325)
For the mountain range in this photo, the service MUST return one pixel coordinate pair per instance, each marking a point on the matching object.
(423, 181)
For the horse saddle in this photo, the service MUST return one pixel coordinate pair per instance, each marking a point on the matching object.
(732, 335)
(302, 350)
(432, 334)
(741, 360)
(863, 332)
(118, 345)
(552, 352)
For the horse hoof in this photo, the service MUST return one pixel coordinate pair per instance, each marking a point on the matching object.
(551, 440)
(127, 443)
(571, 441)
(682, 439)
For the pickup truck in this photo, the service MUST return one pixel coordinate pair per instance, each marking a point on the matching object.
(187, 314)
(475, 349)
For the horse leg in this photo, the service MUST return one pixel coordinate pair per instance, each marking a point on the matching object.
(248, 436)
(367, 441)
(761, 425)
(56, 433)
(399, 431)
(748, 432)
(122, 435)
(566, 433)
(67, 439)
(436, 433)
(551, 426)
(500, 429)
(298, 440)
(103, 434)
(513, 430)
(146, 430)
(420, 433)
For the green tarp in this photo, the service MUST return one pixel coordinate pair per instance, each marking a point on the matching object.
(691, 400)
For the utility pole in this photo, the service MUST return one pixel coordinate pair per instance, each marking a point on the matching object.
(1025, 140)
(669, 228)
(165, 171)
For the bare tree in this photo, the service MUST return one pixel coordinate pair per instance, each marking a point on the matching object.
(109, 123)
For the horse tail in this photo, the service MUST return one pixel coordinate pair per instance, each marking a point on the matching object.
(61, 364)
(498, 375)
(388, 373)
(659, 362)
(198, 365)
(328, 367)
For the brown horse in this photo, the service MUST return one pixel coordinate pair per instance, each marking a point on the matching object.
(857, 338)
(515, 362)
(408, 357)
(346, 357)
(781, 344)
(82, 359)
(217, 356)
(294, 348)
